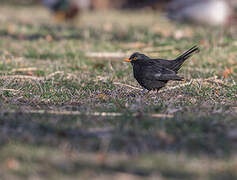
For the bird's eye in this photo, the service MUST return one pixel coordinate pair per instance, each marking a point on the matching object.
(134, 58)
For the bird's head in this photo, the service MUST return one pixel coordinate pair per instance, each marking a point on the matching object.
(136, 57)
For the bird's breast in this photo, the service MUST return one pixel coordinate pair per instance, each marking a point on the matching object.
(137, 71)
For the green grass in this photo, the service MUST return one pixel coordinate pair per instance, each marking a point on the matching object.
(65, 114)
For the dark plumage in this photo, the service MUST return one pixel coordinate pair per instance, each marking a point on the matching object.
(153, 74)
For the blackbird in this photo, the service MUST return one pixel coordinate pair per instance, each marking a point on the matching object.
(153, 74)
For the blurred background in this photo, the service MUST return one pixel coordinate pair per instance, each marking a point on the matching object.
(205, 12)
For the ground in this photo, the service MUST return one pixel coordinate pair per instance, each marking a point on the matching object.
(71, 109)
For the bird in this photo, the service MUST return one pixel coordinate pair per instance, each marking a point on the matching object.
(154, 74)
(66, 9)
(201, 12)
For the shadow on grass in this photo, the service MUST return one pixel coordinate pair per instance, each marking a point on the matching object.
(50, 163)
(124, 133)
(33, 132)
(126, 168)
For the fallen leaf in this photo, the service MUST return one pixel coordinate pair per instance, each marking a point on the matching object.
(49, 38)
(227, 72)
(102, 97)
(60, 16)
(11, 28)
(101, 158)
(204, 43)
(12, 164)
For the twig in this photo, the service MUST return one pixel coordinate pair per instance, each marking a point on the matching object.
(53, 74)
(24, 69)
(217, 81)
(106, 55)
(5, 89)
(161, 115)
(199, 69)
(121, 84)
(104, 114)
(6, 77)
(176, 87)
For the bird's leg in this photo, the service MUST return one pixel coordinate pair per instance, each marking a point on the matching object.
(157, 92)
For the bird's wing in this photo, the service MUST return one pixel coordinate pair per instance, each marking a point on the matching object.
(162, 62)
(160, 73)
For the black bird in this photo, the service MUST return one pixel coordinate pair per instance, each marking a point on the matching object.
(153, 74)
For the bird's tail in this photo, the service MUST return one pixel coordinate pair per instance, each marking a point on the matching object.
(180, 60)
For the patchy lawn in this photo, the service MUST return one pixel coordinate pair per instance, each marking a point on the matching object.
(71, 109)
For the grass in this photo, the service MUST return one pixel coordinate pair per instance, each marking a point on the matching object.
(71, 109)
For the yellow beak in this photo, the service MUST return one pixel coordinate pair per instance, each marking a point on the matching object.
(127, 60)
